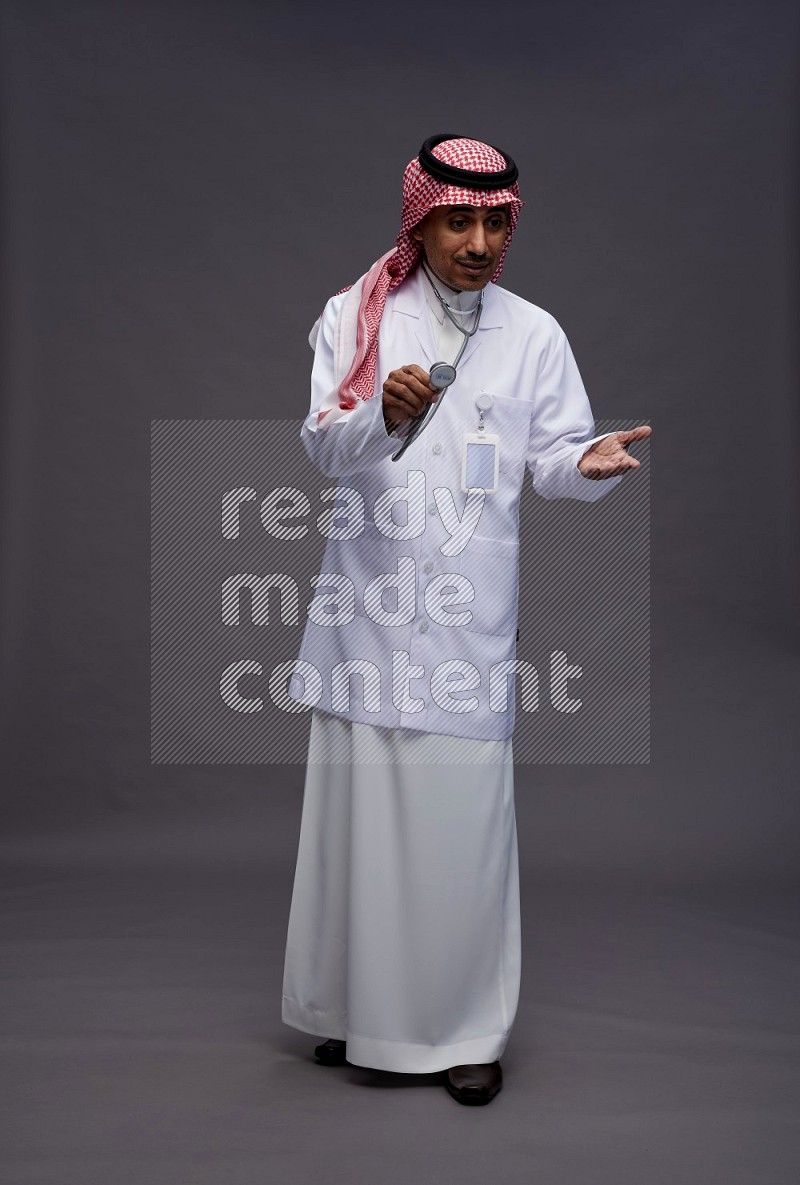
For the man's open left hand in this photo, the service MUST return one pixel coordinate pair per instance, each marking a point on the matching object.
(609, 457)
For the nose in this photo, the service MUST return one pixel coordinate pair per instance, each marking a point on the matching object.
(476, 241)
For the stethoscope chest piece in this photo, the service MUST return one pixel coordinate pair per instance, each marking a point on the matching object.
(442, 375)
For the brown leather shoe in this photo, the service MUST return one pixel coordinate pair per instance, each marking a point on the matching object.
(474, 1085)
(331, 1052)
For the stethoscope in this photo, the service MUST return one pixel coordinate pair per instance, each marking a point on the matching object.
(442, 374)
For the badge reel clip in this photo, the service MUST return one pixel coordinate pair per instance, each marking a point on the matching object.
(480, 454)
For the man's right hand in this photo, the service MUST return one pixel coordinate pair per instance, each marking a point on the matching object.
(406, 394)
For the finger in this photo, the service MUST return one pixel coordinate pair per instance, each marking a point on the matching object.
(419, 398)
(622, 466)
(404, 397)
(417, 371)
(612, 468)
(416, 385)
(412, 376)
(641, 432)
(414, 389)
(627, 459)
(397, 412)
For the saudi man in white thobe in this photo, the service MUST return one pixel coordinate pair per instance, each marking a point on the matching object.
(433, 392)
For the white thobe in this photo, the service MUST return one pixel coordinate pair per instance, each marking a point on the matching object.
(404, 927)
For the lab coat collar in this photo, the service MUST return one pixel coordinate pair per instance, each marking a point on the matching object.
(410, 301)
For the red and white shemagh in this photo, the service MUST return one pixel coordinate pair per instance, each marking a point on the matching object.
(356, 342)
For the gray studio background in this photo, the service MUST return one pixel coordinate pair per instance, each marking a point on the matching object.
(183, 186)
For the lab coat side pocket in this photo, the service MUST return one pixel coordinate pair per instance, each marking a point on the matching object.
(492, 568)
(384, 575)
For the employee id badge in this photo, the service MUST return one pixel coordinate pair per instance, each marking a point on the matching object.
(480, 461)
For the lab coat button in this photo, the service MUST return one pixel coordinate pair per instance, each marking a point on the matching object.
(437, 448)
(423, 627)
(427, 566)
(431, 508)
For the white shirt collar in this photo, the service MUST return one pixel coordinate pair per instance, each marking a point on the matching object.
(464, 302)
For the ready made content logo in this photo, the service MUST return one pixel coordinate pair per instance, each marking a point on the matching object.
(277, 590)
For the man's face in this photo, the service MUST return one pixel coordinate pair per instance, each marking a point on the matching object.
(462, 244)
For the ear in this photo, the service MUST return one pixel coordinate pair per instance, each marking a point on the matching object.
(416, 232)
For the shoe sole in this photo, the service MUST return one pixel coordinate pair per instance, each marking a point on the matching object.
(469, 1098)
(331, 1057)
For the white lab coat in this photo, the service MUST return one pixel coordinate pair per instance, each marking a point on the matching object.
(541, 413)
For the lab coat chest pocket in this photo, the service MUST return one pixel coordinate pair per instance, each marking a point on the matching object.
(510, 419)
(491, 566)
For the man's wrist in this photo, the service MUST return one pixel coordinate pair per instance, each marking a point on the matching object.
(398, 428)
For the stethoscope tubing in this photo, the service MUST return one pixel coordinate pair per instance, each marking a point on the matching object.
(426, 417)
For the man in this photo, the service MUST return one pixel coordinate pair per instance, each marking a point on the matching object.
(432, 391)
